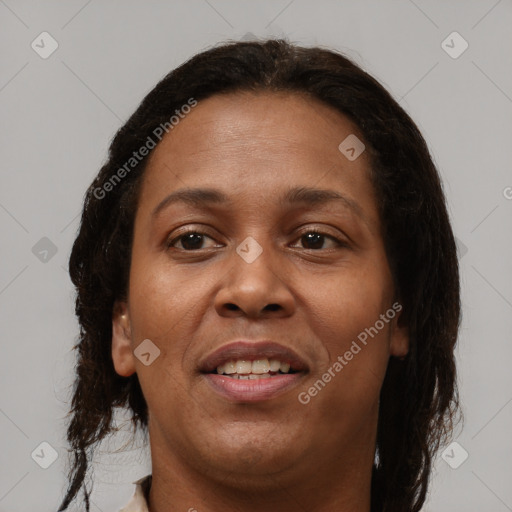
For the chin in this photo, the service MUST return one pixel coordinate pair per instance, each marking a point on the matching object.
(247, 458)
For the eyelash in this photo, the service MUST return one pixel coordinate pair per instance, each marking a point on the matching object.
(339, 242)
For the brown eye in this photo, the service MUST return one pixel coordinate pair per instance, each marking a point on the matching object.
(315, 240)
(190, 241)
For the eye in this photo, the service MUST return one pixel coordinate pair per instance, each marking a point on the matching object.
(315, 239)
(190, 240)
(193, 240)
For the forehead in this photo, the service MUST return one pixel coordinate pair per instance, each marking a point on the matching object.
(258, 145)
(233, 124)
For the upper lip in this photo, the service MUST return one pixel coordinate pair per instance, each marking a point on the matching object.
(251, 350)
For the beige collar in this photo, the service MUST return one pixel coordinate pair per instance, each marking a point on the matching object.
(139, 501)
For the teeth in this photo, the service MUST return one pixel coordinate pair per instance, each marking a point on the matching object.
(275, 364)
(251, 376)
(243, 366)
(285, 367)
(259, 368)
(230, 367)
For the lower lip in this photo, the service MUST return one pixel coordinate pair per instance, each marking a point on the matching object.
(251, 390)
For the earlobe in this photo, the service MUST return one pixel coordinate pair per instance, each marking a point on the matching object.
(122, 353)
(399, 346)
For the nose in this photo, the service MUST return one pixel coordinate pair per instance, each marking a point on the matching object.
(255, 290)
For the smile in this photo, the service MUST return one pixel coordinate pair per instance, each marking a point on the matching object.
(259, 368)
(248, 371)
(243, 388)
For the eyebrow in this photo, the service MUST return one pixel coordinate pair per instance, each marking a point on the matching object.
(199, 197)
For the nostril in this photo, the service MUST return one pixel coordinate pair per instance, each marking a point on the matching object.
(272, 307)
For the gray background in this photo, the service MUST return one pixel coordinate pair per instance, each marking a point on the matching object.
(60, 113)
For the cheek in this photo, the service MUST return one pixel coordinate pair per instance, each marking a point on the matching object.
(167, 306)
(347, 313)
(161, 297)
(347, 303)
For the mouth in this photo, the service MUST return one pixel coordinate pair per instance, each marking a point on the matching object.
(246, 371)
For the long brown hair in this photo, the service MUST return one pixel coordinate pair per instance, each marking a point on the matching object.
(419, 399)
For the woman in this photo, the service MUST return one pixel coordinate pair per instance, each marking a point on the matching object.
(267, 278)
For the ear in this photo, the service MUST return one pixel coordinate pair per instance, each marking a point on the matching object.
(399, 346)
(122, 353)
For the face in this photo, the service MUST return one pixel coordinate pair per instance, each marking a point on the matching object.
(263, 256)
